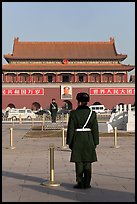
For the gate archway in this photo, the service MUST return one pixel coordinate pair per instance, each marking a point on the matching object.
(35, 106)
(11, 105)
(69, 104)
(97, 103)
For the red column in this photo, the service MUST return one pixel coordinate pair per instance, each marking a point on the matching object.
(101, 78)
(114, 77)
(88, 78)
(70, 77)
(43, 78)
(17, 77)
(30, 78)
(59, 79)
(75, 77)
(4, 78)
(56, 78)
(46, 78)
(126, 77)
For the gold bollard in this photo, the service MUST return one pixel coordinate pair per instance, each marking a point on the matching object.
(67, 119)
(32, 121)
(11, 140)
(115, 138)
(52, 181)
(20, 119)
(43, 122)
(43, 119)
(63, 139)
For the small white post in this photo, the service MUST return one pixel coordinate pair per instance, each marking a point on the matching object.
(32, 121)
(20, 119)
(117, 108)
(63, 138)
(115, 138)
(129, 107)
(43, 119)
(11, 140)
(125, 107)
(120, 108)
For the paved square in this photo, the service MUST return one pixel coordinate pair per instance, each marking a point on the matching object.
(28, 165)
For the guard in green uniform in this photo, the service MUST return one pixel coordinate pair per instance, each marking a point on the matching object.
(53, 110)
(82, 138)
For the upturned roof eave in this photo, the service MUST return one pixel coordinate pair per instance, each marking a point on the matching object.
(63, 67)
(9, 57)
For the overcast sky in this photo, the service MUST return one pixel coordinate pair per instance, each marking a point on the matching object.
(70, 21)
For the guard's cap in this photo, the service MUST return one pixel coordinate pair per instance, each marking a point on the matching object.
(82, 97)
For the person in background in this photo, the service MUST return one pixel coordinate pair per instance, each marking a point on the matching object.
(82, 138)
(65, 108)
(53, 110)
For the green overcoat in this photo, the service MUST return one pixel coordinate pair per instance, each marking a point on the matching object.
(82, 144)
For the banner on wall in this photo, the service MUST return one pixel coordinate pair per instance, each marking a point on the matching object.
(22, 91)
(112, 91)
(66, 92)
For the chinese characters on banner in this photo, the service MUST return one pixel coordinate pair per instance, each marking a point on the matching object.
(19, 91)
(112, 91)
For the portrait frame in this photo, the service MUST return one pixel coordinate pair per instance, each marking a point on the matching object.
(69, 90)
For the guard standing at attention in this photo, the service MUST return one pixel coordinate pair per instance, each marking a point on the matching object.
(53, 110)
(82, 138)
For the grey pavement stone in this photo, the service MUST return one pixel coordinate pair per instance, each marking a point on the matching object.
(27, 166)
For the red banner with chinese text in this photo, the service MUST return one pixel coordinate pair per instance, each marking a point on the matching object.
(112, 91)
(22, 91)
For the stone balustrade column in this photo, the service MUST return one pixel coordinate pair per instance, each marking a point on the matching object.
(129, 107)
(117, 108)
(120, 108)
(125, 107)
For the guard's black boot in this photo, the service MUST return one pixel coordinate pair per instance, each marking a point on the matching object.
(79, 185)
(85, 186)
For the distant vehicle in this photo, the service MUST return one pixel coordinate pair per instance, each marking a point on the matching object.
(41, 112)
(98, 108)
(5, 113)
(23, 113)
